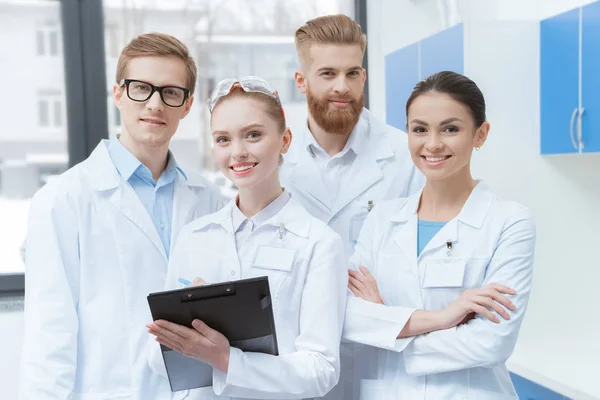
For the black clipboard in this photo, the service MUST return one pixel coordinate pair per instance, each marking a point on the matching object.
(240, 310)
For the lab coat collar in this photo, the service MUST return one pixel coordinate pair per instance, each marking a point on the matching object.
(105, 176)
(293, 216)
(365, 171)
(473, 212)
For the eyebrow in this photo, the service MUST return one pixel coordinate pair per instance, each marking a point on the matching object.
(247, 127)
(323, 69)
(444, 122)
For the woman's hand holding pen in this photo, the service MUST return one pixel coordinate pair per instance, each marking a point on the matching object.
(200, 342)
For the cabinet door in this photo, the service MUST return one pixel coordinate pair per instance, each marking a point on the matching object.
(559, 64)
(591, 77)
(443, 51)
(401, 76)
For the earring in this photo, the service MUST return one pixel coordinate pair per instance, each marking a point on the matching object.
(477, 148)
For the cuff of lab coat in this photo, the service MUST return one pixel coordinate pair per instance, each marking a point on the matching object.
(221, 380)
(376, 325)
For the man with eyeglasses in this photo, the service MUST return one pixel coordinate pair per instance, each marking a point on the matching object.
(99, 239)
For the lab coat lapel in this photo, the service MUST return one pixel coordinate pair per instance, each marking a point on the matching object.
(306, 176)
(185, 203)
(128, 203)
(404, 230)
(365, 173)
(105, 179)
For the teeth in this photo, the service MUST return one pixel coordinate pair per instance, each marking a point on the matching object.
(244, 168)
(435, 159)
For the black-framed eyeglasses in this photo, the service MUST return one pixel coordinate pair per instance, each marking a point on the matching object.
(140, 91)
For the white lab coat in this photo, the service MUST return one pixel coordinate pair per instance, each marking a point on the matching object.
(382, 170)
(493, 241)
(308, 297)
(93, 255)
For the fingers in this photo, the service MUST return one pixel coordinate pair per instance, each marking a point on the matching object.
(493, 305)
(366, 273)
(486, 313)
(358, 284)
(205, 330)
(503, 300)
(179, 330)
(502, 289)
(356, 292)
(198, 282)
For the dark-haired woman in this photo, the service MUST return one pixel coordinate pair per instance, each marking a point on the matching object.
(441, 280)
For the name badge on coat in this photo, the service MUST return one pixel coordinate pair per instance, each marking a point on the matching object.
(444, 273)
(277, 258)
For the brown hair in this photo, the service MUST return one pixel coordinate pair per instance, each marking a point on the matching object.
(162, 45)
(329, 29)
(457, 86)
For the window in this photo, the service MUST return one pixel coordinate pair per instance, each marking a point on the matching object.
(227, 38)
(33, 140)
(50, 110)
(48, 40)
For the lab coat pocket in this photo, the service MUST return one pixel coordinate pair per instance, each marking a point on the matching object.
(276, 263)
(444, 273)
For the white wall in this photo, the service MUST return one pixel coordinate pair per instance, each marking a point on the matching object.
(562, 191)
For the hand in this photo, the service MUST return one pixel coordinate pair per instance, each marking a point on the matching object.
(201, 343)
(479, 301)
(198, 282)
(364, 285)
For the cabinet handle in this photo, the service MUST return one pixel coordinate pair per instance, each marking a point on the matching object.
(575, 111)
(579, 130)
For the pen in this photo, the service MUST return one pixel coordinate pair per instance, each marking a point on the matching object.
(185, 282)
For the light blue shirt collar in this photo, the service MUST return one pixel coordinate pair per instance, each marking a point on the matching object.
(127, 165)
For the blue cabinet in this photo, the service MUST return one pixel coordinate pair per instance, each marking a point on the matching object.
(569, 81)
(591, 77)
(527, 390)
(405, 67)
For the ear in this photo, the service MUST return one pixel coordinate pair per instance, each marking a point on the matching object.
(287, 141)
(364, 75)
(187, 106)
(300, 81)
(118, 92)
(482, 134)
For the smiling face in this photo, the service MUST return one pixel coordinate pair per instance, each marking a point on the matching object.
(333, 80)
(442, 135)
(248, 142)
(151, 124)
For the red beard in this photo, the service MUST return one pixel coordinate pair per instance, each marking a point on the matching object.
(335, 120)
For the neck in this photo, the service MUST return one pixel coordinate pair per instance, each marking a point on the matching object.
(154, 158)
(444, 199)
(332, 143)
(253, 200)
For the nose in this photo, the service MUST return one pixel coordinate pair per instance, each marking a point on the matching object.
(341, 85)
(155, 103)
(433, 142)
(239, 150)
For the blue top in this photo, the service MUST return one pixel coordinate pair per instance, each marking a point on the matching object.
(157, 197)
(425, 232)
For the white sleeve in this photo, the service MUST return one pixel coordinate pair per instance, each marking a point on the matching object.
(49, 358)
(481, 343)
(366, 322)
(313, 369)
